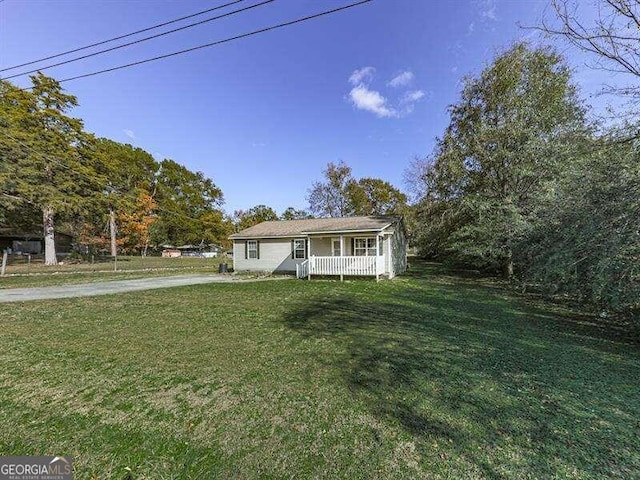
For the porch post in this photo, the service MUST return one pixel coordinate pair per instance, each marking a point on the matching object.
(377, 253)
(390, 259)
(341, 259)
(308, 258)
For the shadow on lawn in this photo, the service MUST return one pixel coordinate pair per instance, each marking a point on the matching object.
(484, 377)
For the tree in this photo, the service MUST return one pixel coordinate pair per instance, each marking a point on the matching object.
(500, 154)
(253, 216)
(183, 199)
(587, 243)
(293, 214)
(41, 151)
(372, 196)
(610, 33)
(612, 36)
(341, 195)
(330, 198)
(135, 224)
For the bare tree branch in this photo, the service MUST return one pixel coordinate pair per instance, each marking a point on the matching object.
(613, 36)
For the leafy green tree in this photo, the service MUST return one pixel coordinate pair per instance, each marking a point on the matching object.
(293, 214)
(40, 147)
(587, 243)
(341, 195)
(253, 216)
(188, 204)
(372, 196)
(505, 145)
(126, 175)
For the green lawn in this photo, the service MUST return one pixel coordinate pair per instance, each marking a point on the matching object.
(127, 268)
(428, 376)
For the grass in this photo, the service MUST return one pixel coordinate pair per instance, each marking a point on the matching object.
(127, 268)
(427, 376)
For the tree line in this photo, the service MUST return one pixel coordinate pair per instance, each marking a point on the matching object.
(522, 183)
(56, 175)
(114, 197)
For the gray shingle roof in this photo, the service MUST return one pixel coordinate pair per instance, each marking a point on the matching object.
(292, 228)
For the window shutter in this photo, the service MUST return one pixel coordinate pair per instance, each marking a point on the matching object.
(304, 242)
(293, 249)
(258, 248)
(353, 246)
(246, 249)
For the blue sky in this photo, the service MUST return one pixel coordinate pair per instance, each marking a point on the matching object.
(263, 116)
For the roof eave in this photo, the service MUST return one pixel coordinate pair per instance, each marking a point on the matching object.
(354, 230)
(238, 236)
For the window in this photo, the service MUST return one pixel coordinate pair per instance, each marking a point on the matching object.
(364, 247)
(252, 249)
(381, 249)
(335, 247)
(299, 250)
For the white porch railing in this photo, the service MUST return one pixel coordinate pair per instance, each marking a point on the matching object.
(355, 266)
(302, 269)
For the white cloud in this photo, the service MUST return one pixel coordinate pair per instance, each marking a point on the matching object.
(129, 133)
(402, 79)
(410, 98)
(413, 96)
(363, 97)
(362, 75)
(488, 10)
(371, 101)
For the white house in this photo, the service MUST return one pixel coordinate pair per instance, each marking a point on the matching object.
(362, 246)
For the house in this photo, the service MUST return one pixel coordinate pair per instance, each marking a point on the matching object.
(357, 246)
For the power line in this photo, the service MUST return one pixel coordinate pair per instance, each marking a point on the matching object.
(120, 37)
(219, 42)
(117, 47)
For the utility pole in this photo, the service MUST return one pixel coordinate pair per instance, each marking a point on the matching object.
(112, 231)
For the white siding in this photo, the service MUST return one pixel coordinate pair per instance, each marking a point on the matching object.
(398, 251)
(275, 256)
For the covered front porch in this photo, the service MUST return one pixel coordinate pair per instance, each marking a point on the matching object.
(355, 254)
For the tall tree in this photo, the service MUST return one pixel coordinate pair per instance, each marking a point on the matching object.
(253, 216)
(587, 243)
(183, 199)
(372, 196)
(127, 176)
(40, 147)
(341, 195)
(610, 32)
(503, 148)
(293, 214)
(330, 198)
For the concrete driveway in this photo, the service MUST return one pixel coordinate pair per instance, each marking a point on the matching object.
(107, 288)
